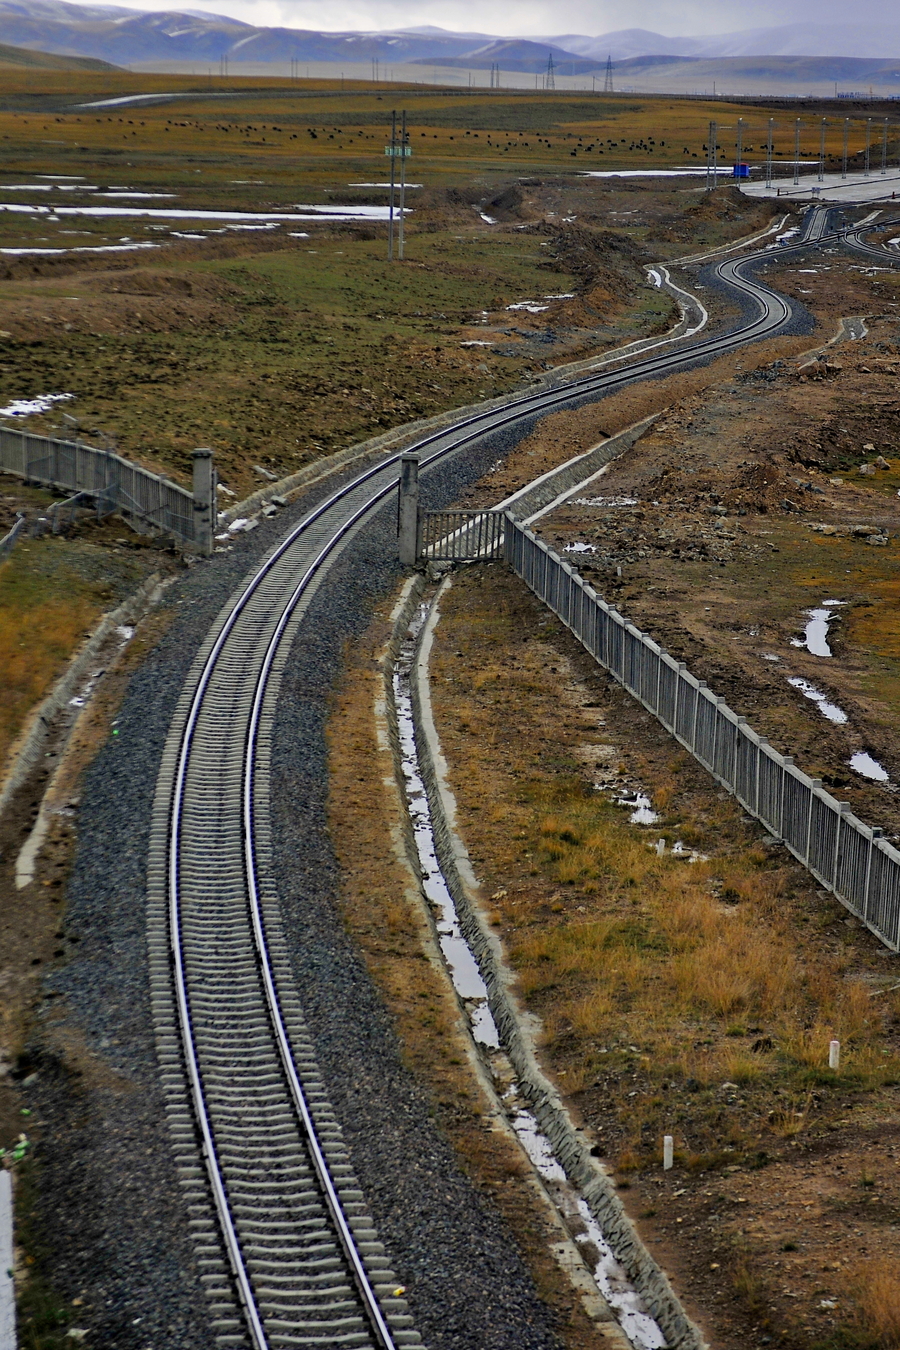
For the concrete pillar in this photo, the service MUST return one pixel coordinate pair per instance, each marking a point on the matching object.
(408, 510)
(205, 505)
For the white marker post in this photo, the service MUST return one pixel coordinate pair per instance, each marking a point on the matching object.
(668, 1152)
(834, 1055)
(7, 1286)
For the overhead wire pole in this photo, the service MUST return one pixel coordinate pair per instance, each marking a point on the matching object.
(711, 156)
(797, 152)
(822, 151)
(846, 139)
(391, 152)
(868, 146)
(769, 154)
(739, 145)
(402, 184)
(884, 135)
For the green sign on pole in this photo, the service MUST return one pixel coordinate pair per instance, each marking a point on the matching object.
(398, 151)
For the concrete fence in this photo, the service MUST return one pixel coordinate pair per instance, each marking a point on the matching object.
(849, 858)
(115, 484)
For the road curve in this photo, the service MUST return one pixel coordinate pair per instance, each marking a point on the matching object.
(289, 1253)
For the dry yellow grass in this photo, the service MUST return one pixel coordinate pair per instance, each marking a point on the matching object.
(682, 958)
(875, 1287)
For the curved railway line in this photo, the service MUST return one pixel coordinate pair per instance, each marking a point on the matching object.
(287, 1251)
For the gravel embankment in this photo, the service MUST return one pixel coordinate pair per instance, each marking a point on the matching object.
(108, 1209)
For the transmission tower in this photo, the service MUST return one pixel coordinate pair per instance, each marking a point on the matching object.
(550, 80)
(608, 79)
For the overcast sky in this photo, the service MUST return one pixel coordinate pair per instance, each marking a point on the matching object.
(538, 17)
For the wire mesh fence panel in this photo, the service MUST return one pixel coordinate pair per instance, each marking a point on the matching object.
(883, 907)
(116, 483)
(852, 872)
(632, 660)
(795, 815)
(650, 677)
(705, 729)
(726, 747)
(823, 832)
(769, 802)
(746, 759)
(686, 711)
(668, 686)
(616, 638)
(848, 857)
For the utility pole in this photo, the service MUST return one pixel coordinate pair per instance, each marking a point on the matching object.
(739, 145)
(868, 143)
(608, 77)
(769, 154)
(884, 132)
(403, 139)
(551, 77)
(711, 158)
(846, 139)
(392, 153)
(822, 151)
(797, 152)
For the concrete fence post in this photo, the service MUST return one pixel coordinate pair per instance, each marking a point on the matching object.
(7, 1285)
(204, 500)
(408, 510)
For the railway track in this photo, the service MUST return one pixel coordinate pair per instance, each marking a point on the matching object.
(288, 1253)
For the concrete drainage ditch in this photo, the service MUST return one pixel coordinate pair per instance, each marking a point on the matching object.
(622, 1288)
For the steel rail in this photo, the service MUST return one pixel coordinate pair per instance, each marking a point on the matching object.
(773, 311)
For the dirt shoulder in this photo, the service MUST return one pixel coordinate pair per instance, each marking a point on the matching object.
(695, 998)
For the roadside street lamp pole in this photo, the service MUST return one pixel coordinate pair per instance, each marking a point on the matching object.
(846, 139)
(822, 151)
(884, 132)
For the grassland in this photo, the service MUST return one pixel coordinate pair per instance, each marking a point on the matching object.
(52, 591)
(690, 993)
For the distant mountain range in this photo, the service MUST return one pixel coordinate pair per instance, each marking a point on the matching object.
(27, 58)
(130, 36)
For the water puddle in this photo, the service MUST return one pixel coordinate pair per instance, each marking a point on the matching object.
(815, 635)
(25, 407)
(300, 212)
(642, 812)
(863, 763)
(827, 709)
(102, 248)
(609, 1277)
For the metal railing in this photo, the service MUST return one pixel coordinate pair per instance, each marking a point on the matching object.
(848, 857)
(119, 485)
(459, 536)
